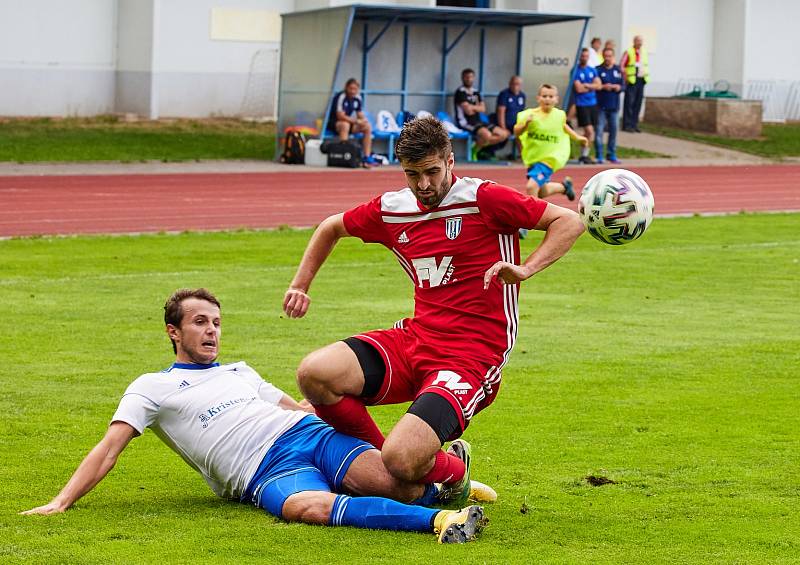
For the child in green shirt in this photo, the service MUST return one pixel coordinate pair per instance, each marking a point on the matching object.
(544, 135)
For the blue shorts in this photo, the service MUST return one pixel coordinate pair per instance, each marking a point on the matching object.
(311, 455)
(540, 173)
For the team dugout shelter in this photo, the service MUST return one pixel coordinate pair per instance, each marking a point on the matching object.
(410, 58)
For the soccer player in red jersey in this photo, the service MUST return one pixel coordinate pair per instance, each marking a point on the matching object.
(457, 239)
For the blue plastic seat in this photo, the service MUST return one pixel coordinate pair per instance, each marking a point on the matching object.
(389, 136)
(445, 117)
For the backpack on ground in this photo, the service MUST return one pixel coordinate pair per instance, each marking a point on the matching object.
(342, 153)
(294, 149)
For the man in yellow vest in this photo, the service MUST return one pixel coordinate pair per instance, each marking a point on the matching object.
(637, 73)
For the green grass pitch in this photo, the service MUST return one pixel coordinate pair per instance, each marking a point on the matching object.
(670, 366)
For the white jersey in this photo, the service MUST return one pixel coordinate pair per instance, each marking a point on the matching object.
(221, 419)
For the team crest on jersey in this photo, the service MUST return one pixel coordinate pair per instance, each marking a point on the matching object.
(452, 227)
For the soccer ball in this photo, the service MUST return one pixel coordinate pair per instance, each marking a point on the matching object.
(616, 206)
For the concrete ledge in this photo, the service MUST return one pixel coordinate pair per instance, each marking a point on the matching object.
(722, 116)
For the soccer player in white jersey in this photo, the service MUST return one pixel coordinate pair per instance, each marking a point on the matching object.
(457, 240)
(253, 443)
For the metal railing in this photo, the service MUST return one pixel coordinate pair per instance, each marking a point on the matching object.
(780, 100)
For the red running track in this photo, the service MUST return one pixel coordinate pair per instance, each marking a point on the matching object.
(146, 203)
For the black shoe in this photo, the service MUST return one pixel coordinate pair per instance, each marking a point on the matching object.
(629, 130)
(568, 190)
(586, 160)
(637, 130)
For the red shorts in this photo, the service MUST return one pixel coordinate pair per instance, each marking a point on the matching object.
(416, 365)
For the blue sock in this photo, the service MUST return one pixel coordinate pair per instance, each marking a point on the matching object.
(428, 498)
(380, 514)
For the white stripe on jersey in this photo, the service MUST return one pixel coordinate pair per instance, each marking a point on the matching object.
(472, 404)
(463, 191)
(510, 306)
(406, 267)
(432, 215)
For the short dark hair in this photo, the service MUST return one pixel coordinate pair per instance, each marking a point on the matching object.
(595, 39)
(467, 71)
(421, 138)
(545, 85)
(352, 81)
(585, 50)
(173, 311)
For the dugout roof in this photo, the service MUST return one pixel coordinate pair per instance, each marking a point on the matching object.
(410, 58)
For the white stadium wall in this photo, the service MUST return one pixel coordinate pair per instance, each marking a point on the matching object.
(204, 51)
(57, 58)
(771, 52)
(197, 58)
(134, 85)
(679, 46)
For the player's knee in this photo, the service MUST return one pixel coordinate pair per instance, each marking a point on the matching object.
(312, 374)
(306, 509)
(400, 461)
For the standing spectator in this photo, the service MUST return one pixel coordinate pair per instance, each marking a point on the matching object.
(610, 44)
(608, 106)
(585, 85)
(347, 116)
(510, 102)
(595, 55)
(637, 74)
(469, 105)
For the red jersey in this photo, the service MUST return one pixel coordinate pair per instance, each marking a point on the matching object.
(446, 252)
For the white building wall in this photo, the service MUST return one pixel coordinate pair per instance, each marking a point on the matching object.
(771, 33)
(679, 47)
(134, 85)
(607, 22)
(199, 75)
(729, 45)
(158, 57)
(57, 58)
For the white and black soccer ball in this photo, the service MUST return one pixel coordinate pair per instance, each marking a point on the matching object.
(616, 206)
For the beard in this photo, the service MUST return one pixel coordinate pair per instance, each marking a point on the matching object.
(432, 200)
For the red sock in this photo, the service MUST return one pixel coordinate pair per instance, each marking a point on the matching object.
(350, 417)
(447, 469)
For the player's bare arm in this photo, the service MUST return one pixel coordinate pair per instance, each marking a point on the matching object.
(580, 87)
(296, 300)
(596, 84)
(520, 127)
(582, 139)
(562, 228)
(94, 467)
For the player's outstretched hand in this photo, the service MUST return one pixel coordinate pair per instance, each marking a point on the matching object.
(507, 272)
(295, 303)
(45, 510)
